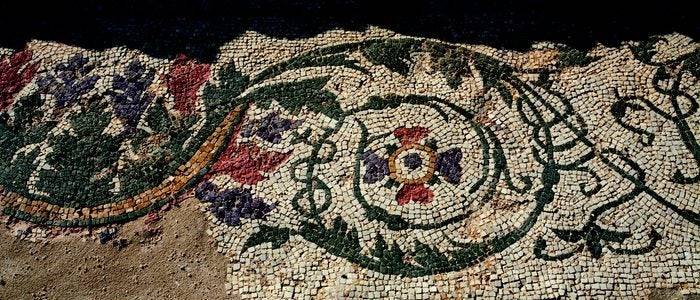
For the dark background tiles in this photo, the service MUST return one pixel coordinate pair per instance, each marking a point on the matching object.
(197, 28)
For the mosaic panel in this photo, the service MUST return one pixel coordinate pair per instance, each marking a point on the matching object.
(371, 164)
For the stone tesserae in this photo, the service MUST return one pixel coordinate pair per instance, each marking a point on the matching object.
(375, 165)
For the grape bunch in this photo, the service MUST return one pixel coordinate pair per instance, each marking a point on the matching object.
(232, 205)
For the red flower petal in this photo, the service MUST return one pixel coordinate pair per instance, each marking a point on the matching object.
(245, 162)
(414, 192)
(15, 73)
(185, 78)
(412, 135)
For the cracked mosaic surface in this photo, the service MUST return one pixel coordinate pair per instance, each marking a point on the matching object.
(367, 165)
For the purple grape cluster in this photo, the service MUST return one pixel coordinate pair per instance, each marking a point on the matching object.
(232, 205)
(70, 81)
(130, 92)
(270, 128)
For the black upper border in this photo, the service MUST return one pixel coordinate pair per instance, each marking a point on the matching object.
(198, 28)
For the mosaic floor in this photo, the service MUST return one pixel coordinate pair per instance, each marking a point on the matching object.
(374, 165)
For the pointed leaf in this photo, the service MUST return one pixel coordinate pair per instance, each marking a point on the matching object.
(267, 234)
(391, 53)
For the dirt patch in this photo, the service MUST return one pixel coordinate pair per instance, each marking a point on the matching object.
(181, 263)
(671, 294)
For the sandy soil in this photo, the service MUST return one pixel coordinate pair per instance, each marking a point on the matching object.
(181, 264)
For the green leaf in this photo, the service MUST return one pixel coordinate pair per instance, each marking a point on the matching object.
(492, 70)
(340, 227)
(233, 83)
(338, 59)
(391, 148)
(432, 144)
(379, 103)
(393, 54)
(609, 235)
(394, 257)
(380, 246)
(158, 118)
(295, 95)
(340, 240)
(570, 236)
(328, 56)
(391, 183)
(574, 57)
(467, 254)
(393, 222)
(78, 160)
(692, 64)
(24, 129)
(434, 180)
(430, 257)
(267, 234)
(453, 63)
(26, 110)
(645, 51)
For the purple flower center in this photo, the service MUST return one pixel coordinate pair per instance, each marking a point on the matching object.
(413, 161)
